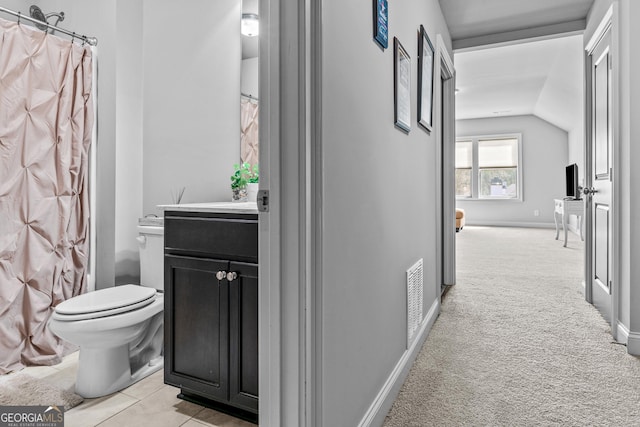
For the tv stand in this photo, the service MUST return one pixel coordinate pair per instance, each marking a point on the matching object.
(566, 207)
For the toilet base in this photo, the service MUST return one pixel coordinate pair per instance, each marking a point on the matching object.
(103, 371)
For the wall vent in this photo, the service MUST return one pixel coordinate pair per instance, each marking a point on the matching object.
(415, 286)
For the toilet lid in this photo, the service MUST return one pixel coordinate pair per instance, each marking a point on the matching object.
(106, 302)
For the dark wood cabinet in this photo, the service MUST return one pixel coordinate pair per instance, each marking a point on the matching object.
(243, 343)
(211, 309)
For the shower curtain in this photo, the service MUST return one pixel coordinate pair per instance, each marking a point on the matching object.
(249, 131)
(46, 121)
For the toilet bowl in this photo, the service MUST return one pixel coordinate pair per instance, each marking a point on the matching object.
(120, 329)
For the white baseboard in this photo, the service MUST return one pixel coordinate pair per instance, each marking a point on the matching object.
(378, 410)
(573, 229)
(630, 338)
(633, 343)
(623, 334)
(512, 224)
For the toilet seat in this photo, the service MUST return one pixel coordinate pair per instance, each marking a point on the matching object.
(104, 302)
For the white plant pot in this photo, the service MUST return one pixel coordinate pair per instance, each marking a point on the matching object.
(252, 192)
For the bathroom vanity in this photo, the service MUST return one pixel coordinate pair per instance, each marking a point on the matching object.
(211, 305)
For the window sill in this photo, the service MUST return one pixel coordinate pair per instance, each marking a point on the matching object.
(471, 199)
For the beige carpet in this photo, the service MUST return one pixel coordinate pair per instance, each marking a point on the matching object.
(517, 345)
(20, 389)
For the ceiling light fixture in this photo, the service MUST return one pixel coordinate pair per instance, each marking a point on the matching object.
(249, 26)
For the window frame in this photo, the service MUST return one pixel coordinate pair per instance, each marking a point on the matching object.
(475, 169)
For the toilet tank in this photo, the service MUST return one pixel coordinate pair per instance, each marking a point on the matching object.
(151, 247)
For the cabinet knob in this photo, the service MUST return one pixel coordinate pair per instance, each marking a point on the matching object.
(221, 275)
(232, 275)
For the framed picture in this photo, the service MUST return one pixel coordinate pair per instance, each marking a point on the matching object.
(381, 23)
(401, 86)
(425, 80)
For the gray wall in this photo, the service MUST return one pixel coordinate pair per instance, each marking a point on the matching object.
(544, 158)
(160, 102)
(191, 99)
(249, 80)
(631, 13)
(379, 202)
(128, 179)
(576, 155)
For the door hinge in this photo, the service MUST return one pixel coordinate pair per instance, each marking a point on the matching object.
(263, 200)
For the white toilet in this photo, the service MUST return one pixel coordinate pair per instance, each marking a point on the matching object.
(119, 330)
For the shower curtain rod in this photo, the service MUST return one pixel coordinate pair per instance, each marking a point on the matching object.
(92, 41)
(248, 96)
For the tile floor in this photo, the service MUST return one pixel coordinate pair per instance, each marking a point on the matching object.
(148, 402)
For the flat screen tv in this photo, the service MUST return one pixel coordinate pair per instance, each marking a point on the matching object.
(572, 182)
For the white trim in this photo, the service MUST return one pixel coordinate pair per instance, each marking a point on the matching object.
(444, 126)
(633, 343)
(600, 30)
(623, 333)
(469, 199)
(475, 169)
(572, 228)
(314, 217)
(510, 38)
(269, 270)
(629, 338)
(615, 178)
(386, 396)
(510, 224)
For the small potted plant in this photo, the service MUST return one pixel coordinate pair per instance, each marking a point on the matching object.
(253, 177)
(239, 184)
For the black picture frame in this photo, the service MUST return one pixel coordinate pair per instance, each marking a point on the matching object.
(381, 23)
(426, 55)
(401, 86)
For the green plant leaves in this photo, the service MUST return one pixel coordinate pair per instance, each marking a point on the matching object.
(244, 174)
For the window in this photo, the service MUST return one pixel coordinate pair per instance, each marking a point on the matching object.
(464, 166)
(488, 168)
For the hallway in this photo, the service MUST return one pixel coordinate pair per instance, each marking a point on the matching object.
(516, 343)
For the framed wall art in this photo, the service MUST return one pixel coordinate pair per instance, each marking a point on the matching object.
(381, 23)
(425, 80)
(401, 86)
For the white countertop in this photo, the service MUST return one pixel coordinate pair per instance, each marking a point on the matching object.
(213, 207)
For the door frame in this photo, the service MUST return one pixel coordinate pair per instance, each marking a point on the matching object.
(445, 167)
(610, 20)
(290, 245)
(269, 272)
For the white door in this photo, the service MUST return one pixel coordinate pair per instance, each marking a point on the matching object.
(599, 194)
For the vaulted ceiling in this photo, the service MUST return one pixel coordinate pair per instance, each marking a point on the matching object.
(510, 59)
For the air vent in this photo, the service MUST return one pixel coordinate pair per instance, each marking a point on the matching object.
(415, 286)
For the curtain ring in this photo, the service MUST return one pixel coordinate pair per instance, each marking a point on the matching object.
(73, 36)
(19, 15)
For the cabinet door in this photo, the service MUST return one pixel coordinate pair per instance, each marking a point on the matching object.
(196, 326)
(243, 336)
